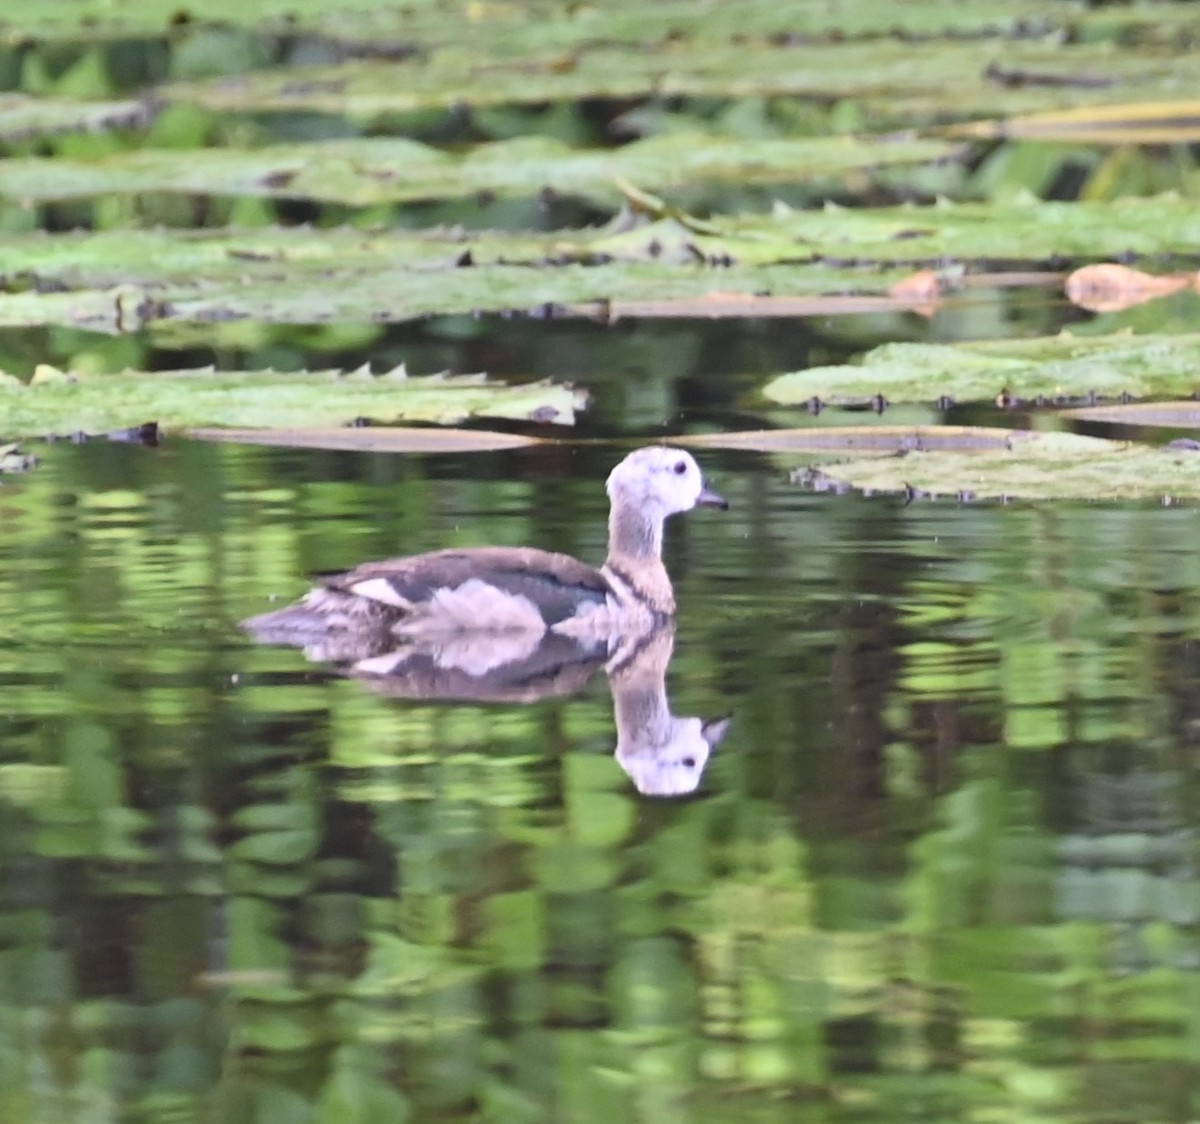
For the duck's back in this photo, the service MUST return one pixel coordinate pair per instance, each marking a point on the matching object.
(498, 581)
(483, 589)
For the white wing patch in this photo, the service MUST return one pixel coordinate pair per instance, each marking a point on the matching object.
(382, 590)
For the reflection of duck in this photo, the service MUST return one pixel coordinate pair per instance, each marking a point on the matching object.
(663, 755)
(517, 591)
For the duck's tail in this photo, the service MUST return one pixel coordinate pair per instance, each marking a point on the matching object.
(320, 613)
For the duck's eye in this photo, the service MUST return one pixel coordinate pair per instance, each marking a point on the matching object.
(680, 468)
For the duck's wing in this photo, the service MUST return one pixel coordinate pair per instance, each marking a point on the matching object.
(557, 585)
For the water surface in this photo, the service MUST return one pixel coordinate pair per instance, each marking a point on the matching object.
(943, 863)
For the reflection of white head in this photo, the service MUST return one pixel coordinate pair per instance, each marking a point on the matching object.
(659, 482)
(672, 767)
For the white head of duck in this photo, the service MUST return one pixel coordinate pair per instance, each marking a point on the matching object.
(660, 481)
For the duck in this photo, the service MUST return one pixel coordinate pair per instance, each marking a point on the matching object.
(520, 594)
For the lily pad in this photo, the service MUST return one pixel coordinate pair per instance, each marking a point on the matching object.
(675, 266)
(22, 115)
(809, 243)
(1168, 415)
(370, 439)
(896, 62)
(1020, 230)
(1053, 367)
(58, 402)
(540, 25)
(881, 440)
(369, 170)
(395, 294)
(896, 81)
(1036, 466)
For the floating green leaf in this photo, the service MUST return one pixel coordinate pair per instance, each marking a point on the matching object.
(896, 62)
(22, 115)
(1051, 366)
(544, 24)
(1020, 230)
(368, 439)
(877, 439)
(1031, 466)
(895, 80)
(395, 294)
(368, 170)
(1171, 415)
(65, 404)
(106, 258)
(677, 265)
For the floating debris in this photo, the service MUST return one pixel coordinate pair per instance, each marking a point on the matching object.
(1108, 287)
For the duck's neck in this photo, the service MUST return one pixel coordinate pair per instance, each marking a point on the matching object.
(635, 557)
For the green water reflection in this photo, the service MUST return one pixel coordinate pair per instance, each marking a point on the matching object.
(942, 866)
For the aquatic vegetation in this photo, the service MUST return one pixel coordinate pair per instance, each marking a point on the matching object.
(1029, 466)
(370, 170)
(58, 402)
(711, 138)
(1052, 370)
